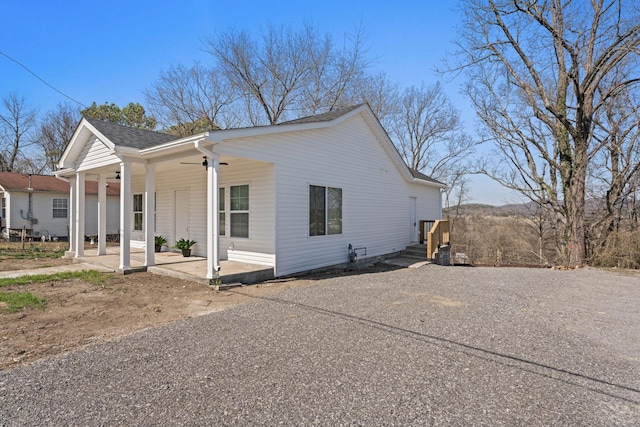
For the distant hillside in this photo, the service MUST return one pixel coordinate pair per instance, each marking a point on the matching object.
(490, 210)
(592, 208)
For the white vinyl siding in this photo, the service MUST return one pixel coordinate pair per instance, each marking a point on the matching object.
(48, 225)
(96, 154)
(257, 175)
(350, 157)
(91, 215)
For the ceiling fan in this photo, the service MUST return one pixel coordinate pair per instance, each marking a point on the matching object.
(204, 163)
(117, 176)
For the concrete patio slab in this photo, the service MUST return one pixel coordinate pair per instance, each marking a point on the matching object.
(173, 264)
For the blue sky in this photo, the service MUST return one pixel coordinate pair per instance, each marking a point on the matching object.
(111, 51)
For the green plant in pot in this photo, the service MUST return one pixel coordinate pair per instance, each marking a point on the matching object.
(185, 246)
(159, 242)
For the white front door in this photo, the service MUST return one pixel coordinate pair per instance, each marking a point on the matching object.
(181, 214)
(413, 219)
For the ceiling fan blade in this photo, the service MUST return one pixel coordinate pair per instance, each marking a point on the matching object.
(195, 163)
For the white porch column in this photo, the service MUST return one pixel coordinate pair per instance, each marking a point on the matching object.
(79, 218)
(213, 217)
(149, 213)
(72, 215)
(102, 214)
(125, 215)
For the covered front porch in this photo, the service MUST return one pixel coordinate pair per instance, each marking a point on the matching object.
(171, 188)
(173, 264)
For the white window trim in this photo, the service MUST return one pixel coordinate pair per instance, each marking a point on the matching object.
(326, 234)
(223, 228)
(134, 212)
(228, 211)
(53, 208)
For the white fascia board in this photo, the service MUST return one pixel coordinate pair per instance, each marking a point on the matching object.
(220, 135)
(396, 157)
(125, 151)
(178, 143)
(67, 149)
(71, 147)
(391, 149)
(429, 183)
(64, 174)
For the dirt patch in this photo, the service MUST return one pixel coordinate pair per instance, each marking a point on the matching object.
(16, 256)
(78, 313)
(28, 264)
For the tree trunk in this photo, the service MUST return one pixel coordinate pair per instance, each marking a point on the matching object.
(575, 202)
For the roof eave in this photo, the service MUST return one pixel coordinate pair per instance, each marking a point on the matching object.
(64, 162)
(430, 183)
(171, 145)
(220, 135)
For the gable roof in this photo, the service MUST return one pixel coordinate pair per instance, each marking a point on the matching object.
(129, 137)
(12, 181)
(146, 145)
(419, 175)
(324, 117)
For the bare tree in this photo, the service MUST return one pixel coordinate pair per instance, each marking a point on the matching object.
(17, 123)
(381, 94)
(56, 130)
(288, 73)
(188, 100)
(338, 77)
(430, 137)
(616, 167)
(540, 74)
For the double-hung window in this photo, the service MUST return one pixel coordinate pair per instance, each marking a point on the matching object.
(239, 211)
(325, 210)
(60, 208)
(138, 217)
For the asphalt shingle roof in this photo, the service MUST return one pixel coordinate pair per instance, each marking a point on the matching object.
(12, 181)
(130, 137)
(325, 117)
(419, 175)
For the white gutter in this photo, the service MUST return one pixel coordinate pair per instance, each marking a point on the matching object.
(198, 146)
(58, 174)
(176, 143)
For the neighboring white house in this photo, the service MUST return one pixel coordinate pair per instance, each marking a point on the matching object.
(293, 196)
(40, 205)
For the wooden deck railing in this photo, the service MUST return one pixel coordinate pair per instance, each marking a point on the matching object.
(437, 234)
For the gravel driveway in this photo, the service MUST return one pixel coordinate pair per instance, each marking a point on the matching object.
(426, 346)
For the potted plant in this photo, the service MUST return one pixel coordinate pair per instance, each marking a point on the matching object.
(159, 242)
(185, 246)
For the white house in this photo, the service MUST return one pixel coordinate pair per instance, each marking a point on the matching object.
(39, 204)
(295, 196)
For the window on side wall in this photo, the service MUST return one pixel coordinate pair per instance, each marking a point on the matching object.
(325, 210)
(138, 217)
(222, 213)
(60, 208)
(239, 211)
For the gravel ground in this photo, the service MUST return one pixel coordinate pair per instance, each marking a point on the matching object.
(426, 346)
